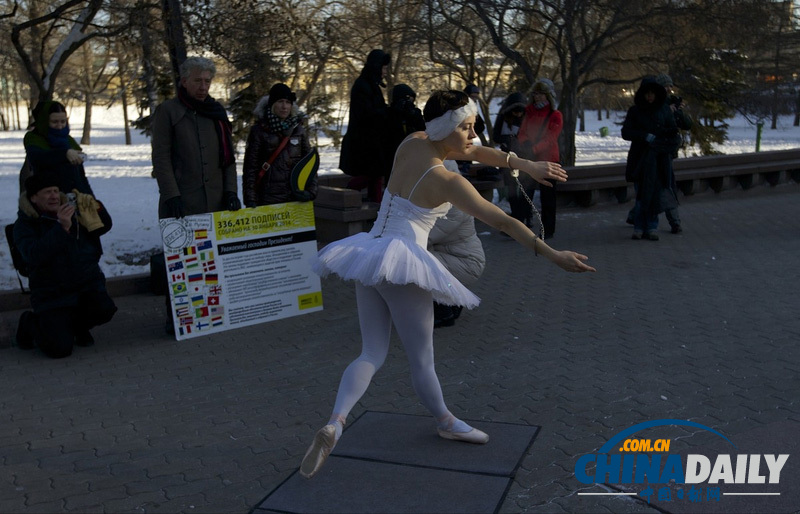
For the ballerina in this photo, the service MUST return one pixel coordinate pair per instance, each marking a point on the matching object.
(396, 277)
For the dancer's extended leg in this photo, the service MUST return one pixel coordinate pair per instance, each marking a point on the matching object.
(412, 312)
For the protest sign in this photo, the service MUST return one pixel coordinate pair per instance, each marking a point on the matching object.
(232, 269)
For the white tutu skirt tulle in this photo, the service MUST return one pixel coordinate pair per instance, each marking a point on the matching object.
(376, 260)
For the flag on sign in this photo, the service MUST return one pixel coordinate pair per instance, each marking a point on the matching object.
(205, 245)
(209, 266)
(187, 320)
(217, 311)
(201, 234)
(175, 266)
(198, 300)
(216, 321)
(202, 312)
(179, 288)
(189, 250)
(200, 325)
(213, 300)
(173, 257)
(185, 330)
(177, 277)
(211, 278)
(180, 300)
(215, 290)
(182, 312)
(195, 277)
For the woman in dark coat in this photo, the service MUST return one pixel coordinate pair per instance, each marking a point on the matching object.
(278, 119)
(364, 154)
(50, 149)
(650, 127)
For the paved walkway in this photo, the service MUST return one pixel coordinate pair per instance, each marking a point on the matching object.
(701, 327)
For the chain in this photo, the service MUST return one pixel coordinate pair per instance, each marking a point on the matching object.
(515, 174)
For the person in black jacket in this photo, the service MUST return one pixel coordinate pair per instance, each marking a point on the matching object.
(61, 245)
(364, 154)
(403, 119)
(265, 182)
(650, 127)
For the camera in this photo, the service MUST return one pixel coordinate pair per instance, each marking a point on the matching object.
(675, 100)
(72, 199)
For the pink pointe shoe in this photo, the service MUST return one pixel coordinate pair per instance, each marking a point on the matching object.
(317, 453)
(474, 436)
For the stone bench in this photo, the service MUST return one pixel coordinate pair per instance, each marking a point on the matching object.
(587, 184)
(340, 212)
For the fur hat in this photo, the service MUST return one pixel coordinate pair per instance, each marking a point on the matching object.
(545, 86)
(39, 181)
(471, 88)
(280, 92)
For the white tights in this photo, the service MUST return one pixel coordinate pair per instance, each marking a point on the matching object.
(411, 309)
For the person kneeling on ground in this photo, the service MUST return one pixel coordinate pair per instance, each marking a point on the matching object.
(61, 245)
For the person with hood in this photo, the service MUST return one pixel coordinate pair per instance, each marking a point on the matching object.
(364, 154)
(50, 149)
(192, 148)
(404, 117)
(60, 243)
(276, 143)
(538, 138)
(504, 134)
(650, 127)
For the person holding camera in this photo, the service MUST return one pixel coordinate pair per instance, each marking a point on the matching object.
(59, 239)
(650, 127)
(683, 122)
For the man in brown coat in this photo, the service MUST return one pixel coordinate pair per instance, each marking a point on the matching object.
(193, 157)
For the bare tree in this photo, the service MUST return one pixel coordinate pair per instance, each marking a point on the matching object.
(580, 33)
(68, 25)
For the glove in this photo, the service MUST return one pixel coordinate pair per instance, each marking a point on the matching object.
(232, 201)
(87, 211)
(174, 207)
(250, 205)
(650, 138)
(303, 196)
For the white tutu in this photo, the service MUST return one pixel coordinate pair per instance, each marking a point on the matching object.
(394, 251)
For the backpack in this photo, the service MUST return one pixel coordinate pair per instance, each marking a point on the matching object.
(16, 256)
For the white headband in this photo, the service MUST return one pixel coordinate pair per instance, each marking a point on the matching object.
(441, 127)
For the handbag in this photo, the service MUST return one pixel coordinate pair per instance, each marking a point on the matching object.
(268, 163)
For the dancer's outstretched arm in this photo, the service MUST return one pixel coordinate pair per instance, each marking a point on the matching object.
(541, 171)
(458, 191)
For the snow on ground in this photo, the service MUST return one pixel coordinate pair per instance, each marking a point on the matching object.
(120, 177)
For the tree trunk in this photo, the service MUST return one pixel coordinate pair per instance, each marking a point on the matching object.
(125, 120)
(569, 112)
(16, 104)
(148, 70)
(86, 138)
(175, 39)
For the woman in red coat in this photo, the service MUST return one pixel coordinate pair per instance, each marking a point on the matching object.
(538, 138)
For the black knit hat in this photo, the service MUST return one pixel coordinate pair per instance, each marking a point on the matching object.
(39, 181)
(280, 92)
